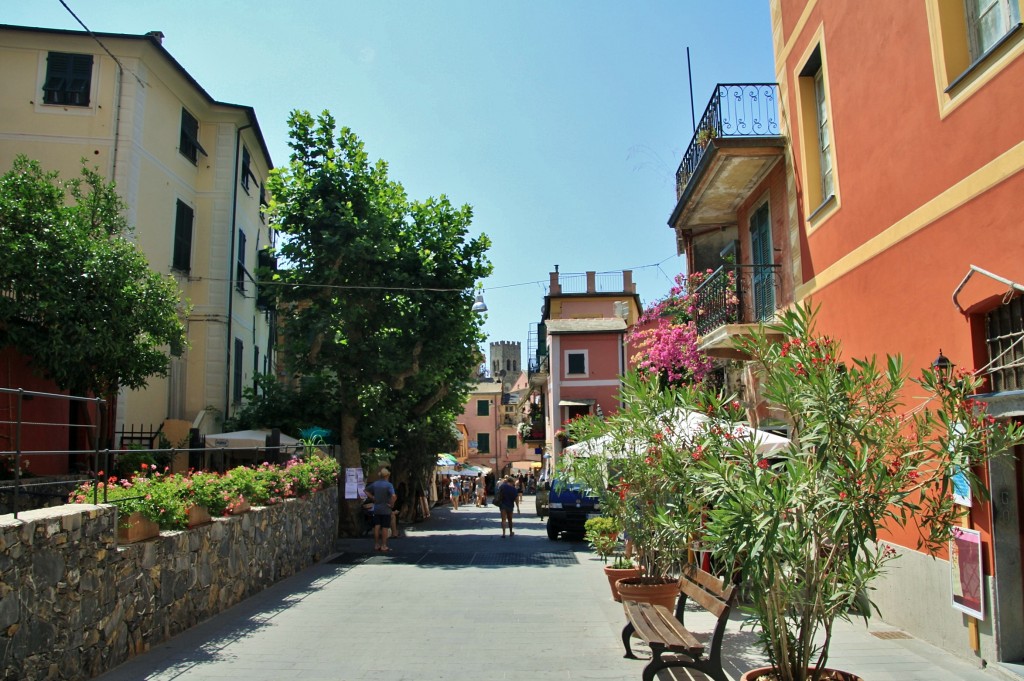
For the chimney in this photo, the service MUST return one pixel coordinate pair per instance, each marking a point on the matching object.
(158, 36)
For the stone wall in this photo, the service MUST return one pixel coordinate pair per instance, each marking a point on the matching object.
(73, 603)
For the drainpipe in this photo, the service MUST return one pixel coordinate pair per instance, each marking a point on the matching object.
(231, 274)
(117, 123)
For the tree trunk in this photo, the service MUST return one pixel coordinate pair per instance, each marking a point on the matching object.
(350, 522)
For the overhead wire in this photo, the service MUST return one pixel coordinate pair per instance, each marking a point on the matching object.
(100, 43)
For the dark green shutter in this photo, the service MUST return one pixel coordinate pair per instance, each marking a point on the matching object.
(761, 258)
(182, 258)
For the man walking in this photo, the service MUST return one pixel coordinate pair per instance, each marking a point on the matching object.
(505, 496)
(382, 493)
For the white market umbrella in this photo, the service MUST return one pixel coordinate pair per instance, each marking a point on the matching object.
(685, 423)
(245, 439)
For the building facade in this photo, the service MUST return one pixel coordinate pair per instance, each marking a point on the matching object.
(489, 421)
(879, 183)
(191, 170)
(577, 368)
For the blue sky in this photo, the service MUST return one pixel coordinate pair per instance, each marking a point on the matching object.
(561, 121)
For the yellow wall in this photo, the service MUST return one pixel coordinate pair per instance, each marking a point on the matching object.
(143, 105)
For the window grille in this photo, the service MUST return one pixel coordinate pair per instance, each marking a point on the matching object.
(1004, 330)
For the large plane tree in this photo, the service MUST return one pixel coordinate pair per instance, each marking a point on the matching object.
(375, 290)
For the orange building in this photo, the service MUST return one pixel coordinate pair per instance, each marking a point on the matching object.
(883, 186)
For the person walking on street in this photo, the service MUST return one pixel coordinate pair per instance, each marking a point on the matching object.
(382, 493)
(505, 497)
(456, 489)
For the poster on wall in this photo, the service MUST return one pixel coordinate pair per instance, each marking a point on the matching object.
(354, 484)
(965, 572)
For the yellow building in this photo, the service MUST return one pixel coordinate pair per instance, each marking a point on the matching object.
(192, 172)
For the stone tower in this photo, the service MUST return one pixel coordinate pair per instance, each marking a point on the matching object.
(506, 361)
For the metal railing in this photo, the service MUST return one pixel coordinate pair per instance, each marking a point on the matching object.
(12, 417)
(735, 110)
(735, 294)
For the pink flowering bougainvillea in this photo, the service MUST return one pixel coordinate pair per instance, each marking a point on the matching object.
(664, 339)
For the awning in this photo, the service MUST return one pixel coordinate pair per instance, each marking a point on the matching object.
(576, 403)
(245, 439)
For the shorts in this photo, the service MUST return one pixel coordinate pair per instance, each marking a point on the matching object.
(382, 520)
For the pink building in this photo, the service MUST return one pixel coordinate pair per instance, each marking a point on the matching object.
(490, 426)
(578, 367)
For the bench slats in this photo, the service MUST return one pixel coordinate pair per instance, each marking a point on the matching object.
(706, 580)
(656, 624)
(701, 597)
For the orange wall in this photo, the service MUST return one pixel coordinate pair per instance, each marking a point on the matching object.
(920, 196)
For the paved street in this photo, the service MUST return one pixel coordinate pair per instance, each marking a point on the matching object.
(455, 601)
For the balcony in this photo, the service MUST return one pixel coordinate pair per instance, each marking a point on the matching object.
(732, 302)
(736, 144)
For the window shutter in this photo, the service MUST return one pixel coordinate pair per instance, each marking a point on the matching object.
(182, 258)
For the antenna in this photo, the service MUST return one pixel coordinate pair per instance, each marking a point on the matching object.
(689, 77)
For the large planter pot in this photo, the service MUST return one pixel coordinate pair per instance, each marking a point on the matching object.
(198, 515)
(239, 508)
(768, 674)
(615, 574)
(662, 592)
(135, 527)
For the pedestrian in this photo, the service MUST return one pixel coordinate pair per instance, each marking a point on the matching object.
(456, 490)
(505, 497)
(382, 493)
(481, 491)
(519, 494)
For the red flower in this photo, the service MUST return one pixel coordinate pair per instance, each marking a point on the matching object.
(763, 464)
(144, 466)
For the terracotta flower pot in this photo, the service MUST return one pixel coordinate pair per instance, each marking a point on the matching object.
(768, 674)
(239, 508)
(661, 592)
(135, 527)
(198, 515)
(615, 574)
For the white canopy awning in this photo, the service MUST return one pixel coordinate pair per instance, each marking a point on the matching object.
(576, 403)
(245, 439)
(685, 423)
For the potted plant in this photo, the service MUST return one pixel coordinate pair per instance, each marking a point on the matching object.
(624, 464)
(602, 533)
(705, 135)
(802, 525)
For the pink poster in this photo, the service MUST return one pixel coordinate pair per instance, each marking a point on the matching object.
(966, 576)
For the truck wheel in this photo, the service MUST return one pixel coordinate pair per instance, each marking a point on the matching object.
(552, 531)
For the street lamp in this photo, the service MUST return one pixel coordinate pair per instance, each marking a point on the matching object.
(479, 305)
(943, 367)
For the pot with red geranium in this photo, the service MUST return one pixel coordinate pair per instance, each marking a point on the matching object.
(801, 525)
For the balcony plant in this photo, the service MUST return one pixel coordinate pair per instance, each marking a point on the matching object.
(803, 526)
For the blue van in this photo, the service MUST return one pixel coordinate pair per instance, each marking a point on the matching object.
(567, 506)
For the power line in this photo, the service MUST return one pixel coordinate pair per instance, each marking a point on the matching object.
(100, 42)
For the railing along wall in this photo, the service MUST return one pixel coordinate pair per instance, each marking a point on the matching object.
(735, 110)
(735, 294)
(12, 416)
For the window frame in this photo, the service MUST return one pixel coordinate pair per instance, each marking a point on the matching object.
(181, 251)
(1005, 9)
(238, 371)
(511, 442)
(483, 443)
(53, 96)
(959, 72)
(820, 180)
(188, 141)
(585, 354)
(483, 407)
(240, 271)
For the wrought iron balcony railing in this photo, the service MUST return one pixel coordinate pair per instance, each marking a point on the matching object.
(735, 294)
(735, 110)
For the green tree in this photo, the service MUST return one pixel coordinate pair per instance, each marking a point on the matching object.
(377, 289)
(78, 297)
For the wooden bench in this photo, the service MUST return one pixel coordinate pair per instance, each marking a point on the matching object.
(671, 644)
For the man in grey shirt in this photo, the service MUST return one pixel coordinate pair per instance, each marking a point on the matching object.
(382, 493)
